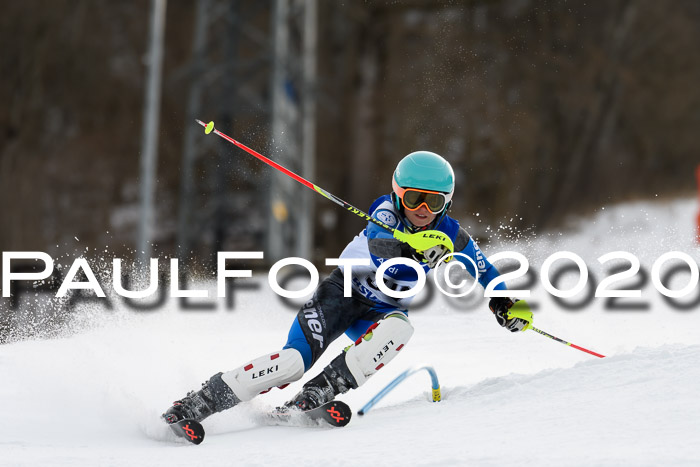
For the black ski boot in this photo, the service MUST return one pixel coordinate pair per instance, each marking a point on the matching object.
(214, 397)
(314, 394)
(333, 380)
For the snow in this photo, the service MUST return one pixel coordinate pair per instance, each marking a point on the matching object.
(94, 397)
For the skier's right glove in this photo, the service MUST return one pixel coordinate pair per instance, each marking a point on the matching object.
(500, 306)
(432, 256)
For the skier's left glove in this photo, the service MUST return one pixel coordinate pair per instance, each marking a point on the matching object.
(514, 321)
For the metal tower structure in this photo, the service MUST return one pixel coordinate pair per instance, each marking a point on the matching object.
(291, 216)
(252, 71)
(149, 138)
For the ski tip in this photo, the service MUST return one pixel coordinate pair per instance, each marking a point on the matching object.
(190, 430)
(209, 127)
(336, 413)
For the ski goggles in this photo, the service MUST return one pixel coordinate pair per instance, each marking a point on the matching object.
(412, 199)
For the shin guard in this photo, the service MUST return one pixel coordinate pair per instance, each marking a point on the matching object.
(382, 341)
(264, 373)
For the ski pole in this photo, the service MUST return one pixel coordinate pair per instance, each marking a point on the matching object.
(522, 310)
(539, 331)
(419, 241)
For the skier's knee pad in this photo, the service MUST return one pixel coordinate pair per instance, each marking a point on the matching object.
(264, 373)
(382, 341)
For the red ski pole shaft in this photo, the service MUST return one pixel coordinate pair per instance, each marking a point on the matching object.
(539, 331)
(209, 128)
(420, 241)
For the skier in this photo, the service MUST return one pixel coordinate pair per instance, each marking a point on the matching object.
(423, 185)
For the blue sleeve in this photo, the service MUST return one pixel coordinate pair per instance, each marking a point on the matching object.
(487, 271)
(379, 210)
(374, 231)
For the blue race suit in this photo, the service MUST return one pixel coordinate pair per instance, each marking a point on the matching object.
(329, 314)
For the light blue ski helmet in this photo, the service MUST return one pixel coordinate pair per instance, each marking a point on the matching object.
(424, 170)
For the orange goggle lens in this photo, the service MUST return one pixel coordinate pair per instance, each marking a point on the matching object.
(413, 199)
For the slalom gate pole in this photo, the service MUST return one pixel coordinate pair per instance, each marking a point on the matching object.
(697, 232)
(437, 396)
(539, 331)
(420, 241)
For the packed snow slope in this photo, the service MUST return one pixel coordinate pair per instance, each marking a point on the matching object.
(94, 397)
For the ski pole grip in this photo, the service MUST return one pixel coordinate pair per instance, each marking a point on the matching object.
(421, 241)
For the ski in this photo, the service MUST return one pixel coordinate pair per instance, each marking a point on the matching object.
(334, 414)
(190, 430)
